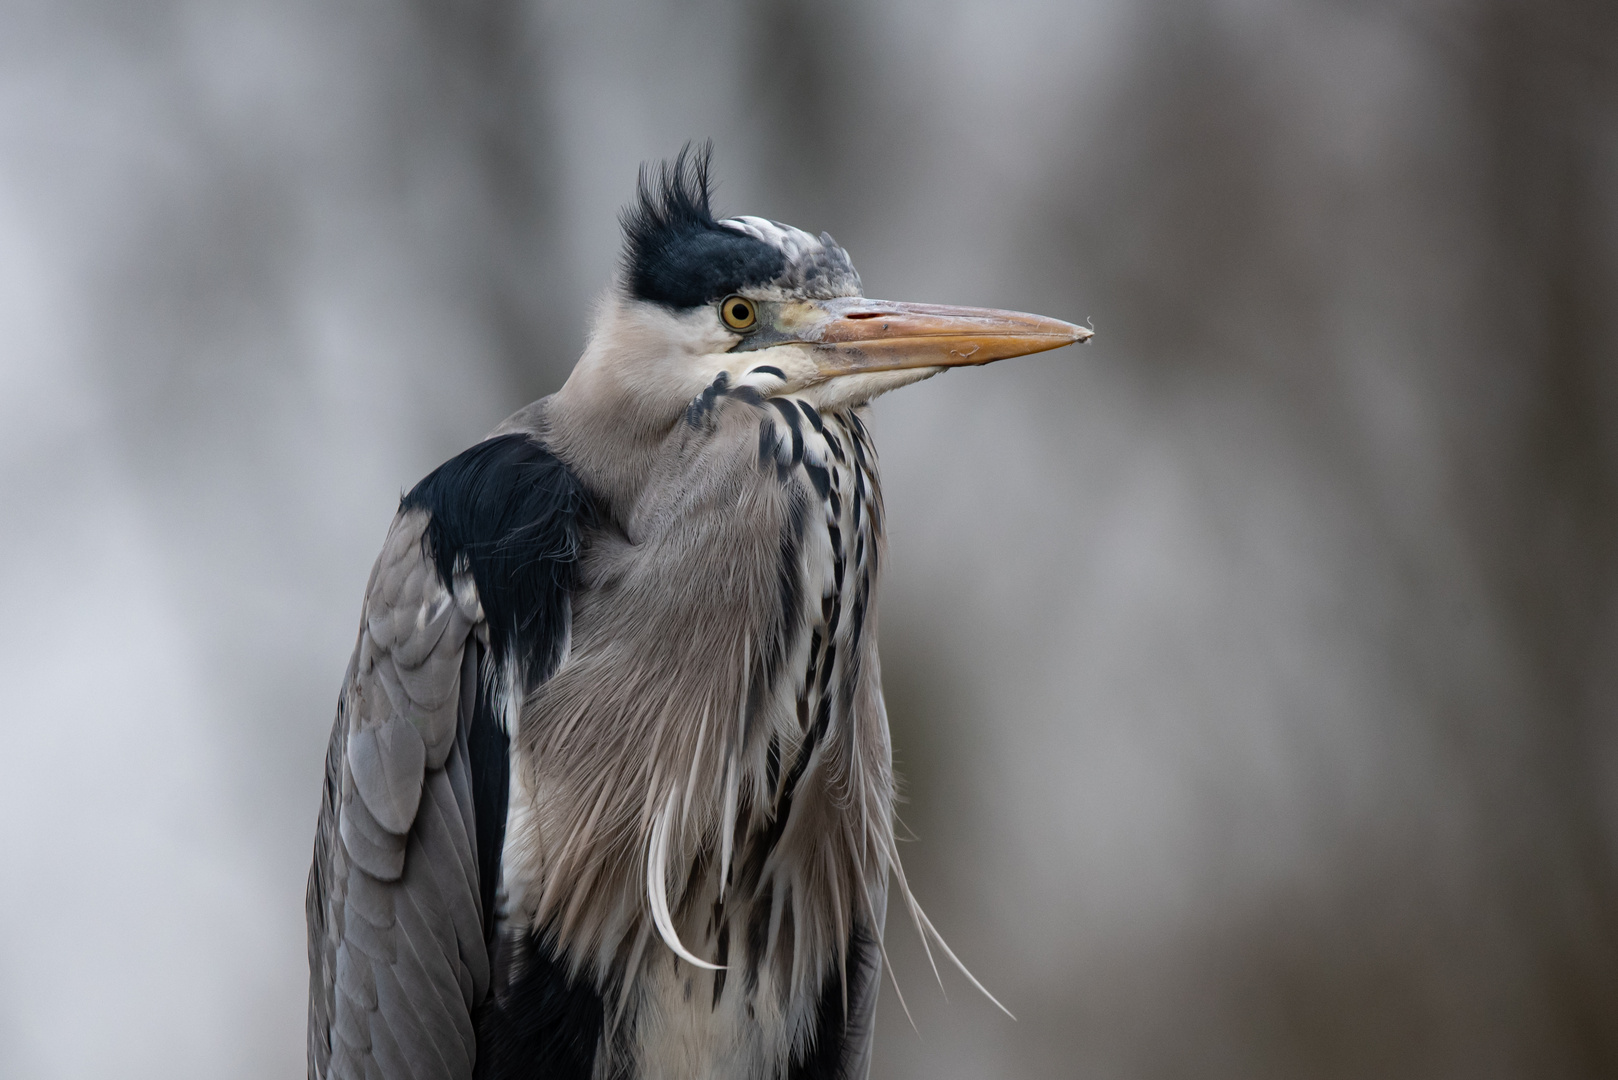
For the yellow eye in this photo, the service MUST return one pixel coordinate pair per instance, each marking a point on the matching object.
(738, 312)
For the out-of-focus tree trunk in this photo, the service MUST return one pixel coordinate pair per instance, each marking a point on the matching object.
(1539, 484)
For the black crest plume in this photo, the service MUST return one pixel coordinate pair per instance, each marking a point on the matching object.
(675, 253)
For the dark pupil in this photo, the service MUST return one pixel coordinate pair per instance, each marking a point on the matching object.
(739, 312)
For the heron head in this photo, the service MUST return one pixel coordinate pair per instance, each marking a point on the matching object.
(771, 305)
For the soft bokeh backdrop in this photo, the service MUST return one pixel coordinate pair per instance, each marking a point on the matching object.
(1252, 668)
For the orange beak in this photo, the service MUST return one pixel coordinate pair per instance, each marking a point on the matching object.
(856, 335)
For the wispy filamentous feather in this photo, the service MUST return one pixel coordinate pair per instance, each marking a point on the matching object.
(657, 863)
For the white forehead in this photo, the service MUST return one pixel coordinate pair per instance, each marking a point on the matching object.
(816, 265)
(795, 243)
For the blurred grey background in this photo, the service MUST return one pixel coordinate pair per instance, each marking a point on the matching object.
(1252, 668)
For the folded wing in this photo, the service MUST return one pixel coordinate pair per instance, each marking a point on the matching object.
(466, 609)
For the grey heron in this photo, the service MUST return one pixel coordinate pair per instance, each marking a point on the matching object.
(610, 791)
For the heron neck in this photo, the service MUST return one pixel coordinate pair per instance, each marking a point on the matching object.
(606, 449)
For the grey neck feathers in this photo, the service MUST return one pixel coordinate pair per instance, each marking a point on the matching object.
(608, 448)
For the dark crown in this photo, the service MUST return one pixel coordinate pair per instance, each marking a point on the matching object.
(675, 253)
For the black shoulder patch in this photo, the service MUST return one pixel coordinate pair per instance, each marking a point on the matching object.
(513, 511)
(675, 253)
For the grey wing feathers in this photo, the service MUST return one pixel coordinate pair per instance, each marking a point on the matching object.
(397, 954)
